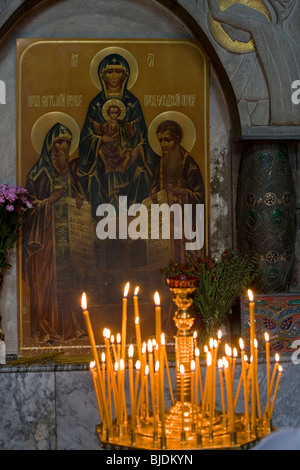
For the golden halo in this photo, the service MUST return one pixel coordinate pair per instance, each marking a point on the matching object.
(114, 50)
(223, 38)
(188, 128)
(45, 122)
(113, 102)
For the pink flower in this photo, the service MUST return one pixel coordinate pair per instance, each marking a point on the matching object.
(10, 208)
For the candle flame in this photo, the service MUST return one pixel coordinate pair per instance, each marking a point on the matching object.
(225, 362)
(103, 357)
(250, 295)
(138, 365)
(112, 339)
(255, 343)
(157, 299)
(220, 363)
(195, 334)
(280, 369)
(228, 350)
(267, 337)
(116, 366)
(219, 334)
(137, 320)
(122, 366)
(156, 366)
(126, 289)
(193, 365)
(235, 352)
(162, 339)
(241, 342)
(106, 333)
(136, 290)
(144, 347)
(154, 342)
(181, 369)
(149, 346)
(215, 343)
(205, 348)
(211, 343)
(197, 352)
(118, 338)
(130, 351)
(92, 364)
(208, 358)
(245, 357)
(276, 357)
(83, 301)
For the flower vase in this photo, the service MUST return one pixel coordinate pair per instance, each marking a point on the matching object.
(183, 288)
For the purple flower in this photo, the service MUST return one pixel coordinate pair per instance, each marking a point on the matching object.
(10, 208)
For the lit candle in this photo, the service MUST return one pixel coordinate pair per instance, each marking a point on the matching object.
(210, 391)
(276, 389)
(147, 390)
(137, 377)
(131, 388)
(115, 391)
(95, 355)
(181, 369)
(103, 367)
(256, 381)
(124, 320)
(118, 347)
(268, 372)
(161, 387)
(112, 340)
(199, 378)
(156, 386)
(206, 393)
(245, 387)
(234, 352)
(274, 371)
(252, 337)
(122, 408)
(219, 335)
(220, 368)
(137, 323)
(229, 395)
(157, 317)
(150, 356)
(214, 365)
(193, 367)
(141, 398)
(138, 337)
(136, 302)
(195, 339)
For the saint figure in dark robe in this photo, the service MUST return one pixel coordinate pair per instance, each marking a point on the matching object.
(55, 313)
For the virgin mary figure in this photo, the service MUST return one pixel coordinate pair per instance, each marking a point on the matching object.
(134, 179)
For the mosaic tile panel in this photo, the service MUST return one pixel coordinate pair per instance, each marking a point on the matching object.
(278, 315)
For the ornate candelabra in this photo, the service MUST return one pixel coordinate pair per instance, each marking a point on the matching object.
(192, 421)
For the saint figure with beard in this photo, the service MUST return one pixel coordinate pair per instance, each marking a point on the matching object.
(178, 174)
(55, 313)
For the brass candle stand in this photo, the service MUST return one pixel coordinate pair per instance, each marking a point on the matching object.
(192, 422)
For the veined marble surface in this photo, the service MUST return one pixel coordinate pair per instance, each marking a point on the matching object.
(55, 408)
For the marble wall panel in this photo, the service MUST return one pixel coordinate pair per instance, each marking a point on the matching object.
(27, 411)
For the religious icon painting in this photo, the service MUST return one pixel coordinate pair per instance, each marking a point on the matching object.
(112, 146)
